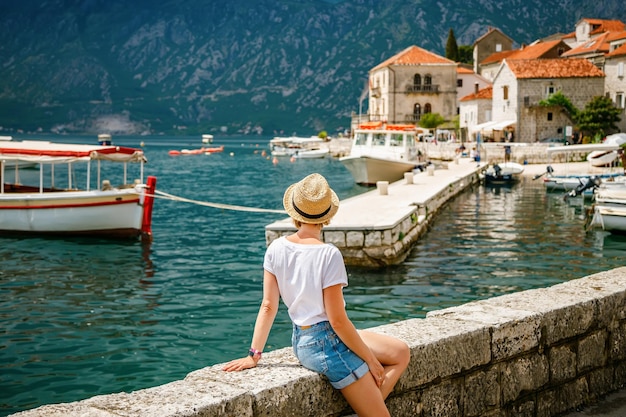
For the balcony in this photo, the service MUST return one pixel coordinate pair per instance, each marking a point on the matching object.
(422, 88)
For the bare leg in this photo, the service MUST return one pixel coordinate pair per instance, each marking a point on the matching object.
(392, 353)
(365, 398)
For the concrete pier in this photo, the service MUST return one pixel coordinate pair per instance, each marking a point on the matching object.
(379, 227)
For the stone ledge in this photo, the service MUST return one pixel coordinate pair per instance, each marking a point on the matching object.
(537, 352)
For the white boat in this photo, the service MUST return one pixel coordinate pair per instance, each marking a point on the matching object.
(609, 209)
(299, 147)
(503, 173)
(603, 158)
(382, 152)
(570, 181)
(60, 199)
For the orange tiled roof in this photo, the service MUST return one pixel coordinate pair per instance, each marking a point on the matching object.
(497, 57)
(483, 94)
(534, 51)
(463, 70)
(414, 55)
(554, 68)
(596, 45)
(621, 51)
(606, 25)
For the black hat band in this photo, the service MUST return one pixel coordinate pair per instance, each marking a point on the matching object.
(310, 216)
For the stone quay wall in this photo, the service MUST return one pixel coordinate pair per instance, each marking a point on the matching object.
(538, 352)
(388, 243)
(493, 152)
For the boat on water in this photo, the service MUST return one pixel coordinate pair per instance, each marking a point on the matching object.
(299, 147)
(609, 208)
(61, 198)
(200, 151)
(382, 152)
(503, 173)
(570, 181)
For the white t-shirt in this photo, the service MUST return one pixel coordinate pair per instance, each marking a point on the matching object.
(302, 272)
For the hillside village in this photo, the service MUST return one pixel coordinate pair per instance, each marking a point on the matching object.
(498, 99)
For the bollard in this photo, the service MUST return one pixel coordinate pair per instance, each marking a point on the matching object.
(408, 177)
(431, 170)
(383, 187)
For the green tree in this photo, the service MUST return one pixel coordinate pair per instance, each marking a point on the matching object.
(466, 54)
(452, 50)
(431, 120)
(599, 117)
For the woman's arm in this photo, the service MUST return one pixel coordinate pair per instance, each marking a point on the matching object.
(263, 325)
(338, 318)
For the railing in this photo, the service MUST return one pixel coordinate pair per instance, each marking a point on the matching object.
(422, 88)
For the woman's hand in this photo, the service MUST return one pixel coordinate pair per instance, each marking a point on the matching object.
(377, 371)
(240, 364)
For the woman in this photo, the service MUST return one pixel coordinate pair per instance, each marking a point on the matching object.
(309, 276)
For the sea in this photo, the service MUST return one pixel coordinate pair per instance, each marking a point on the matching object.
(82, 317)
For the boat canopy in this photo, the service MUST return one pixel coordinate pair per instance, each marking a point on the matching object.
(48, 152)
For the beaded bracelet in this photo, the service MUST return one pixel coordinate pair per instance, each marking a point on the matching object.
(253, 352)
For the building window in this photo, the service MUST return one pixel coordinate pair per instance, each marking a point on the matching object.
(428, 80)
(417, 112)
(459, 82)
(505, 92)
(550, 90)
(417, 79)
(427, 108)
(498, 47)
(620, 69)
(549, 116)
(619, 100)
(560, 51)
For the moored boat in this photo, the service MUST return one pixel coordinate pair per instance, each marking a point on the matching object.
(503, 173)
(298, 147)
(54, 202)
(382, 152)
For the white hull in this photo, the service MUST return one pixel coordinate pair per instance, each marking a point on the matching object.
(44, 206)
(367, 170)
(312, 154)
(113, 213)
(602, 158)
(382, 152)
(611, 219)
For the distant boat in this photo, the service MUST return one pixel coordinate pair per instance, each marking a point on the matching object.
(299, 147)
(609, 208)
(207, 138)
(503, 173)
(199, 151)
(57, 205)
(104, 139)
(382, 152)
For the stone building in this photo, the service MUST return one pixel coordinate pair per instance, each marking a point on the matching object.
(615, 82)
(494, 41)
(410, 84)
(520, 85)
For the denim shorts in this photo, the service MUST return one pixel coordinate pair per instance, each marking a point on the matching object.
(319, 349)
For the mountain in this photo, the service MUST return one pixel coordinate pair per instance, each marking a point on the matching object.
(201, 66)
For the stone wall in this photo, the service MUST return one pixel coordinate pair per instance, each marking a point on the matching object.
(534, 353)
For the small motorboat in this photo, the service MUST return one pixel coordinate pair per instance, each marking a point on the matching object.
(200, 151)
(503, 173)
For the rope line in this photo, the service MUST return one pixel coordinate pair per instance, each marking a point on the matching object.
(167, 196)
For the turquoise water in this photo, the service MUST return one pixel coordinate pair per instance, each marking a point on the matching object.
(83, 317)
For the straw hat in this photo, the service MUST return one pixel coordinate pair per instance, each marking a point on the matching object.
(311, 200)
